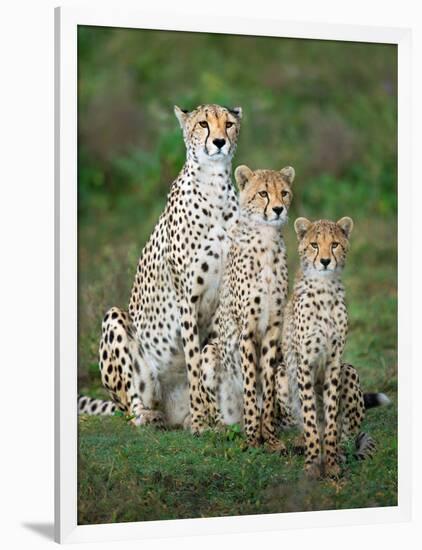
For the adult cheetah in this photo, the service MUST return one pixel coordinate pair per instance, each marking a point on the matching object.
(237, 366)
(145, 352)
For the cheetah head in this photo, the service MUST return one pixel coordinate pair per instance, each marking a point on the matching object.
(210, 132)
(323, 245)
(265, 195)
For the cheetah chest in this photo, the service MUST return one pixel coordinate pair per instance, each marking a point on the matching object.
(266, 287)
(321, 324)
(269, 291)
(209, 272)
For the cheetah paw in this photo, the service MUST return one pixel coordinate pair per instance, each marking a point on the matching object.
(198, 426)
(332, 470)
(275, 446)
(149, 417)
(252, 443)
(313, 471)
(299, 445)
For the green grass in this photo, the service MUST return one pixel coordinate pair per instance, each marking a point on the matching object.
(132, 474)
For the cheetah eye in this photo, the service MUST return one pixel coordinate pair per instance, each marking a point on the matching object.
(314, 245)
(334, 245)
(263, 194)
(204, 124)
(229, 124)
(284, 193)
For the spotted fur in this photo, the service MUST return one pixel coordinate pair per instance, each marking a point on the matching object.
(238, 364)
(314, 336)
(353, 404)
(92, 406)
(150, 354)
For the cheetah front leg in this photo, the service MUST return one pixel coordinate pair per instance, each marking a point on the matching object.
(267, 364)
(282, 397)
(308, 403)
(210, 362)
(331, 395)
(191, 347)
(251, 415)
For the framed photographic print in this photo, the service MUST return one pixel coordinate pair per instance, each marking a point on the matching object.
(232, 222)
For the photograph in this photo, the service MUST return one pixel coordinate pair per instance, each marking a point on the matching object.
(237, 275)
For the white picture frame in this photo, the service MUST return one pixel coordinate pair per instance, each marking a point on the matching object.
(66, 23)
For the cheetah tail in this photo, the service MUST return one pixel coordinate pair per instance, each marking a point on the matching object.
(375, 400)
(365, 446)
(89, 405)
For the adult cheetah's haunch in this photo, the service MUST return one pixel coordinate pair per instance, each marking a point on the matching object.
(145, 352)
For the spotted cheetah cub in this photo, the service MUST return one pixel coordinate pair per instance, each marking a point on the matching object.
(237, 366)
(314, 335)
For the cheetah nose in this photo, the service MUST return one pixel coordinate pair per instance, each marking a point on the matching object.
(219, 142)
(325, 261)
(278, 210)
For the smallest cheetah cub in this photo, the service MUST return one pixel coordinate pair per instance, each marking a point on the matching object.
(238, 364)
(314, 335)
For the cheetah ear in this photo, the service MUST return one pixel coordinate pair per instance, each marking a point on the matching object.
(237, 111)
(182, 115)
(288, 173)
(301, 227)
(242, 175)
(346, 225)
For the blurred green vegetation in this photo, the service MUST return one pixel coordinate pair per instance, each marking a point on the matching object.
(327, 108)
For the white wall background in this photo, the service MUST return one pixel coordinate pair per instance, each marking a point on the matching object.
(26, 267)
